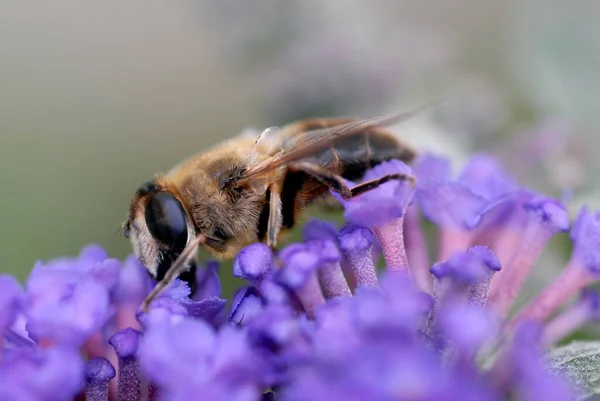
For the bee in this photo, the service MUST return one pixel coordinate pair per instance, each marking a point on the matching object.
(253, 188)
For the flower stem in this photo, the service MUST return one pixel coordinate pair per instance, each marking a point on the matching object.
(357, 246)
(99, 372)
(416, 249)
(571, 280)
(96, 391)
(478, 294)
(310, 295)
(125, 317)
(391, 238)
(94, 346)
(511, 278)
(453, 240)
(152, 392)
(502, 240)
(565, 323)
(333, 281)
(125, 343)
(363, 269)
(349, 274)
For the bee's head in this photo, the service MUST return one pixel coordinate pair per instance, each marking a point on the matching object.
(159, 229)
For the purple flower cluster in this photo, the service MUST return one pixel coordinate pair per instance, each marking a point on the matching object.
(76, 321)
(319, 320)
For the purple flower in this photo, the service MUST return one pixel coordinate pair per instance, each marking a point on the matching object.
(300, 263)
(387, 202)
(472, 267)
(531, 379)
(377, 371)
(53, 374)
(586, 236)
(188, 357)
(175, 302)
(215, 391)
(126, 343)
(334, 320)
(544, 218)
(590, 300)
(280, 339)
(356, 244)
(316, 320)
(134, 283)
(373, 361)
(246, 304)
(300, 275)
(131, 289)
(458, 206)
(168, 350)
(467, 274)
(429, 167)
(330, 273)
(98, 372)
(253, 263)
(10, 293)
(212, 310)
(452, 319)
(446, 202)
(485, 176)
(275, 293)
(585, 310)
(92, 260)
(395, 306)
(549, 213)
(162, 309)
(64, 306)
(208, 284)
(73, 305)
(383, 209)
(317, 229)
(105, 270)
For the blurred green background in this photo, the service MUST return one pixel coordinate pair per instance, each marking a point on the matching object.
(96, 97)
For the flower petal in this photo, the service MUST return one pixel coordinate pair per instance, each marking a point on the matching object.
(10, 294)
(253, 263)
(63, 306)
(53, 374)
(208, 283)
(586, 238)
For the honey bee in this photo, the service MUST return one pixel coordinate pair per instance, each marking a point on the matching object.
(252, 188)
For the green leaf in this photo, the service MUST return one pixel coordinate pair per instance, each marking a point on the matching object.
(579, 361)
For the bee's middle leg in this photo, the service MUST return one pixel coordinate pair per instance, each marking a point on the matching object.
(336, 183)
(275, 214)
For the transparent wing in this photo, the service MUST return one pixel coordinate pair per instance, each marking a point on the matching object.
(295, 147)
(266, 143)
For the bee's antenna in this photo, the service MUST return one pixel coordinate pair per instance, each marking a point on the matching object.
(174, 270)
(123, 229)
(120, 231)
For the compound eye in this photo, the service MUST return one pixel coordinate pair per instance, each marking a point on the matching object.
(166, 219)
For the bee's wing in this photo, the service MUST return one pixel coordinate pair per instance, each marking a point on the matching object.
(296, 147)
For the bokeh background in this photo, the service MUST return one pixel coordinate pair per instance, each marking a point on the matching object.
(96, 97)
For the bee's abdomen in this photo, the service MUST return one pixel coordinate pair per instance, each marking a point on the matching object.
(352, 156)
(349, 157)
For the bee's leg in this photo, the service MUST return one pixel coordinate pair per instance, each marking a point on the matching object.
(275, 217)
(179, 266)
(336, 183)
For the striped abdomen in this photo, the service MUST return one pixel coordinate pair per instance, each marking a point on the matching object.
(349, 157)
